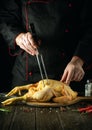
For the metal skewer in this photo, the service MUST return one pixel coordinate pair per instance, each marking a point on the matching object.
(40, 68)
(32, 30)
(38, 61)
(45, 72)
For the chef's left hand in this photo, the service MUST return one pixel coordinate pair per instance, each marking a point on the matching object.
(73, 71)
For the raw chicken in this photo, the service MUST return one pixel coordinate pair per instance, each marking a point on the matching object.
(43, 91)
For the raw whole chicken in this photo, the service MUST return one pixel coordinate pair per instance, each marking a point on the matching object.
(43, 91)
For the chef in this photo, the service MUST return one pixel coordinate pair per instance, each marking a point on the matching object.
(61, 30)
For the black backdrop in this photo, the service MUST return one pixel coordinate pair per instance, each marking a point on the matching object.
(6, 63)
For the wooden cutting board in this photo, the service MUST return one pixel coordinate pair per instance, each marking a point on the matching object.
(53, 104)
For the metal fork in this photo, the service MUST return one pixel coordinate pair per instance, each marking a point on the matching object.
(41, 61)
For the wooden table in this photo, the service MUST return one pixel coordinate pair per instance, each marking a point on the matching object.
(25, 117)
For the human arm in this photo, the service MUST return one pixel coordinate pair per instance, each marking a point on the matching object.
(10, 22)
(82, 56)
(73, 71)
(13, 30)
(27, 42)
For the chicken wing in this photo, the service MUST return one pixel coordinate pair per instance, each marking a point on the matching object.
(42, 91)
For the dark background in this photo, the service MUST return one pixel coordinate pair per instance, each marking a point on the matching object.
(7, 61)
(6, 64)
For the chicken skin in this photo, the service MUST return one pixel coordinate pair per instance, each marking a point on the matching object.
(42, 91)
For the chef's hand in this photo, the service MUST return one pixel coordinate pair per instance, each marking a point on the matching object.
(73, 71)
(26, 42)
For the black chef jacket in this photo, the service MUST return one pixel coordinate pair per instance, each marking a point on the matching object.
(65, 30)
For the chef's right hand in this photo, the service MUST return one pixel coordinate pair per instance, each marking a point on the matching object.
(26, 42)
